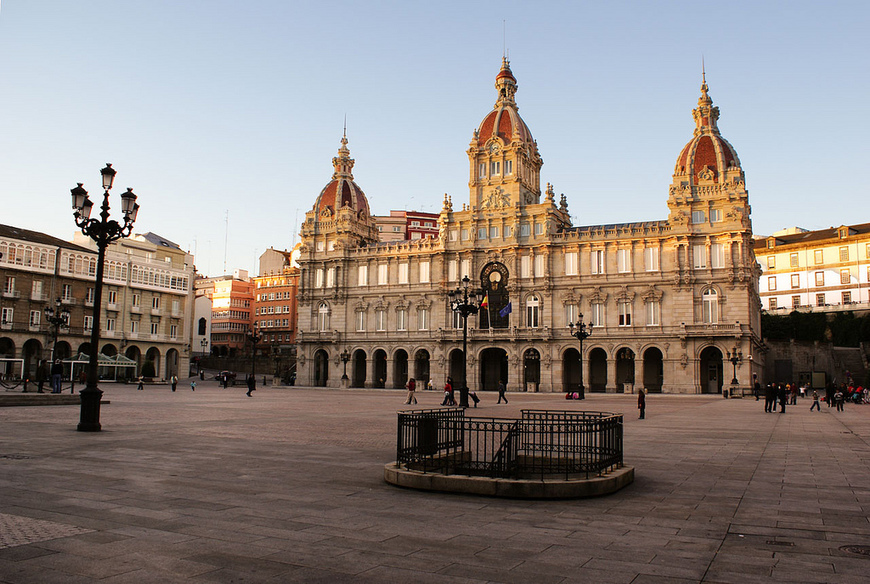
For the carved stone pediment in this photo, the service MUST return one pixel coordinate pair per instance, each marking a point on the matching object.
(495, 199)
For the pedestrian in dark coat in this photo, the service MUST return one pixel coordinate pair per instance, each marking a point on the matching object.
(769, 397)
(641, 403)
(783, 398)
(501, 390)
(252, 385)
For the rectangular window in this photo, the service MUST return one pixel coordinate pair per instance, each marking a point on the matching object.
(319, 246)
(539, 266)
(424, 272)
(651, 259)
(508, 167)
(524, 229)
(844, 254)
(598, 314)
(481, 233)
(36, 289)
(6, 316)
(772, 304)
(525, 267)
(771, 262)
(795, 301)
(715, 215)
(382, 274)
(820, 299)
(423, 319)
(137, 299)
(330, 246)
(653, 313)
(532, 312)
(453, 235)
(771, 283)
(465, 268)
(363, 276)
(360, 321)
(847, 298)
(493, 232)
(401, 320)
(539, 228)
(9, 286)
(481, 170)
(66, 292)
(330, 280)
(318, 278)
(820, 278)
(155, 328)
(34, 318)
(89, 296)
(624, 309)
(717, 255)
(381, 320)
(403, 273)
(88, 323)
(176, 307)
(867, 252)
(134, 326)
(818, 256)
(507, 231)
(452, 271)
(155, 302)
(464, 234)
(110, 325)
(623, 261)
(571, 313)
(845, 276)
(698, 217)
(571, 263)
(596, 262)
(793, 260)
(457, 320)
(699, 256)
(112, 297)
(795, 280)
(494, 167)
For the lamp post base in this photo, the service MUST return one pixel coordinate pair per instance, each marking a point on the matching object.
(90, 414)
(463, 397)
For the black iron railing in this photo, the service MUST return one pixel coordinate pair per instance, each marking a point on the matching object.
(540, 444)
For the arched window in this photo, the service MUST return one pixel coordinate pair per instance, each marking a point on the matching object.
(532, 311)
(710, 306)
(202, 326)
(323, 317)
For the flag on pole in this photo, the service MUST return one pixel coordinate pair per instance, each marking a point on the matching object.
(505, 311)
(485, 302)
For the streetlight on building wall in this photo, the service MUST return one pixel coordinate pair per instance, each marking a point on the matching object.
(103, 231)
(204, 344)
(57, 318)
(581, 331)
(464, 302)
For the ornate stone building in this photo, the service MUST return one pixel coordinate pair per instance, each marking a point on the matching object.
(667, 300)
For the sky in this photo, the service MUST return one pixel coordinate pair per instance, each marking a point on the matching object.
(224, 116)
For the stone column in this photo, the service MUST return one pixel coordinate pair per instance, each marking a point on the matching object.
(611, 375)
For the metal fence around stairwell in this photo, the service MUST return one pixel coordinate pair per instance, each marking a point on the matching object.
(541, 444)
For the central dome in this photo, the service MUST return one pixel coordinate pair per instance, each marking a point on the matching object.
(504, 122)
(342, 192)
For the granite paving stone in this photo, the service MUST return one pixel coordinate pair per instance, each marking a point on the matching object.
(213, 486)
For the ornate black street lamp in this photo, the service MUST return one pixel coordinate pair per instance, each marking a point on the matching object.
(464, 302)
(57, 318)
(204, 343)
(735, 357)
(345, 357)
(255, 337)
(103, 232)
(581, 331)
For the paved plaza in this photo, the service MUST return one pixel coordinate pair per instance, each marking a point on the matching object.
(287, 486)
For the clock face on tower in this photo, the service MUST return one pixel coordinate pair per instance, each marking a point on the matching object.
(493, 148)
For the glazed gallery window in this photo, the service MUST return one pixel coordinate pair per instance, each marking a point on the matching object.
(571, 263)
(401, 319)
(323, 318)
(362, 276)
(651, 259)
(532, 311)
(710, 306)
(623, 308)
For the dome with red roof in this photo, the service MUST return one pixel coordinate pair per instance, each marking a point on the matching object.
(342, 192)
(504, 122)
(707, 155)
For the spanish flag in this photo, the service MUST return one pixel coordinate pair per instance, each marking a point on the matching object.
(485, 303)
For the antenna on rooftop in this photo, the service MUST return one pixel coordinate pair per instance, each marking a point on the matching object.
(226, 237)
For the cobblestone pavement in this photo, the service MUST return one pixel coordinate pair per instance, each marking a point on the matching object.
(287, 486)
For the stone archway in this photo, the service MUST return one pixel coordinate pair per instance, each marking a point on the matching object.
(598, 370)
(321, 368)
(653, 370)
(571, 370)
(457, 368)
(358, 369)
(32, 356)
(624, 370)
(380, 365)
(493, 367)
(710, 374)
(62, 350)
(531, 370)
(7, 351)
(109, 350)
(171, 363)
(421, 368)
(133, 353)
(400, 368)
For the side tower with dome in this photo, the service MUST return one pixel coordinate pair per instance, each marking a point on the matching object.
(667, 300)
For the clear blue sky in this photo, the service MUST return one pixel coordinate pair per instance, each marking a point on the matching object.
(209, 107)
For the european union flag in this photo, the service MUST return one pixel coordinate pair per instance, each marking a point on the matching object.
(505, 311)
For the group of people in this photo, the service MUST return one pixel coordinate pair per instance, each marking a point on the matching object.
(449, 393)
(835, 395)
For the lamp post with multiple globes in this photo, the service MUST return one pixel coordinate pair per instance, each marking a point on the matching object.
(464, 302)
(581, 331)
(103, 231)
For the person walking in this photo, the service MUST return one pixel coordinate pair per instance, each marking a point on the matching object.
(56, 376)
(756, 388)
(501, 390)
(252, 385)
(829, 394)
(641, 403)
(174, 381)
(816, 401)
(193, 385)
(141, 385)
(448, 393)
(769, 397)
(839, 398)
(783, 398)
(412, 388)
